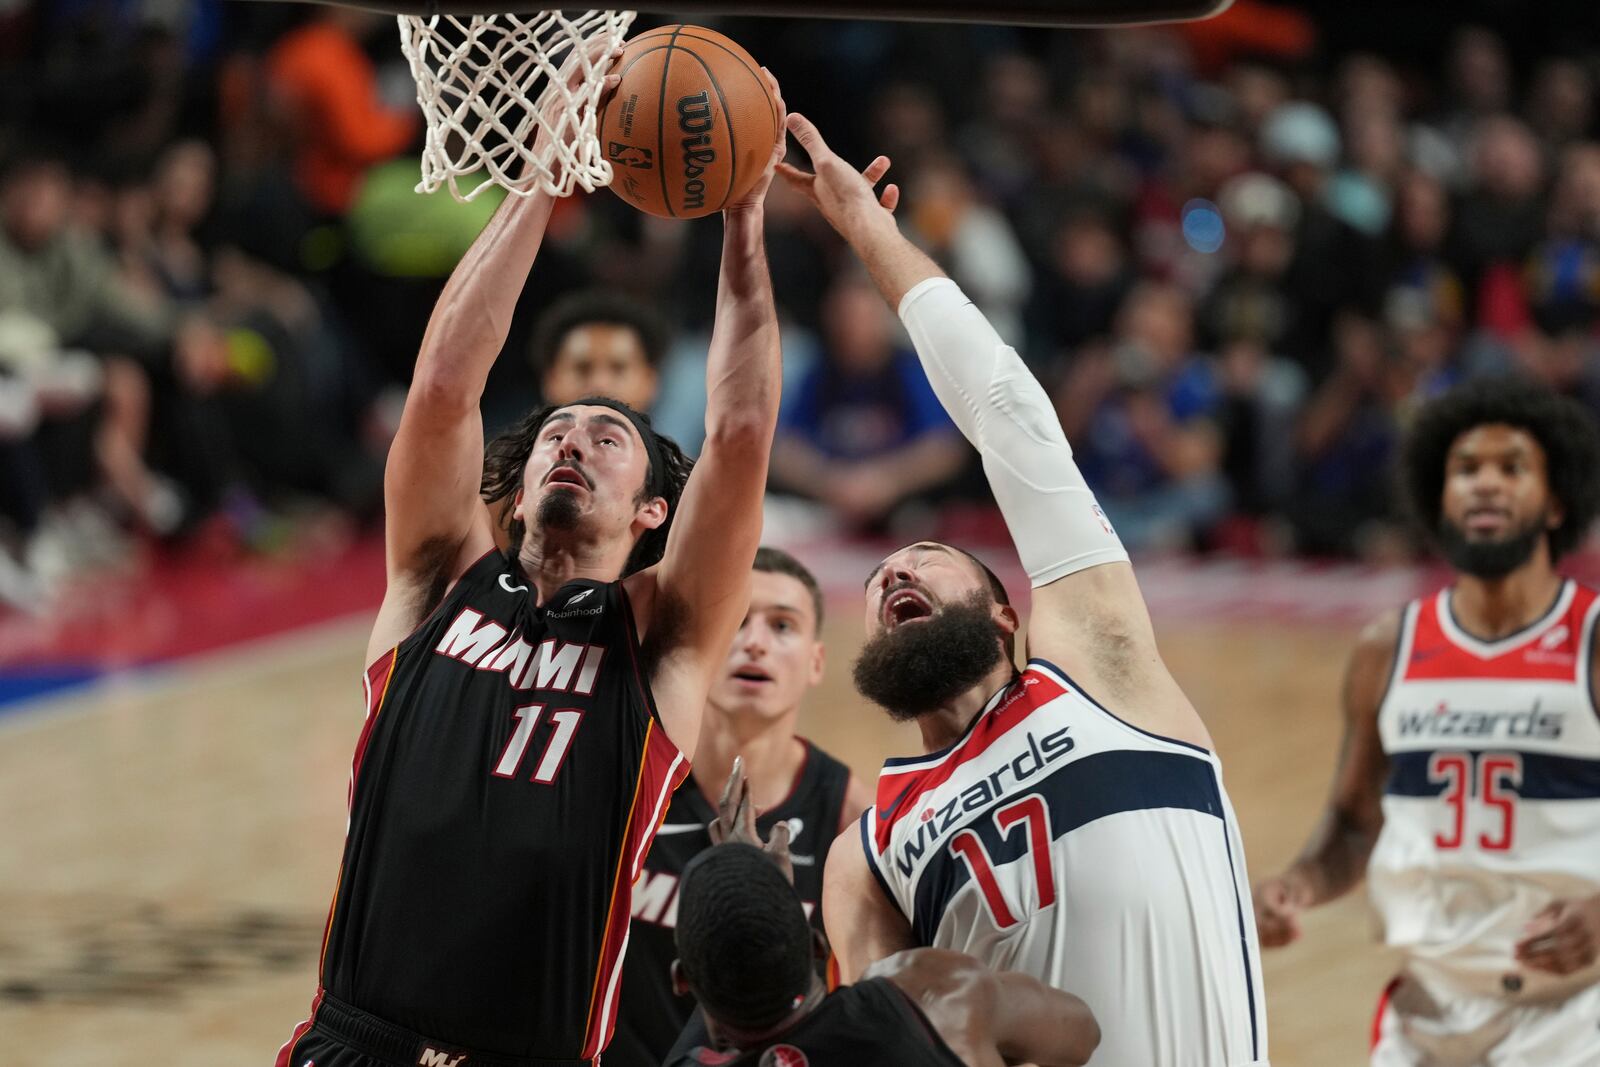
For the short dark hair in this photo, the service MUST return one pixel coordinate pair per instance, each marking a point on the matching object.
(507, 454)
(743, 940)
(595, 307)
(1564, 429)
(771, 560)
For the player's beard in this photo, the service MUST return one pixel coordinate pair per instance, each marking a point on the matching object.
(559, 510)
(917, 667)
(1491, 559)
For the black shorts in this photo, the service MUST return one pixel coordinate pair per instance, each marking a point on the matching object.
(342, 1036)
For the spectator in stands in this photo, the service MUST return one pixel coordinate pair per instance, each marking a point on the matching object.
(592, 343)
(1248, 317)
(971, 240)
(1088, 278)
(1561, 104)
(1335, 264)
(92, 340)
(322, 79)
(1142, 414)
(1348, 432)
(864, 431)
(1503, 213)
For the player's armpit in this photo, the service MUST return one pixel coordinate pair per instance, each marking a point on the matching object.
(1094, 625)
(863, 925)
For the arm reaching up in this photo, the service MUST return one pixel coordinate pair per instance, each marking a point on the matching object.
(1089, 615)
(435, 524)
(689, 606)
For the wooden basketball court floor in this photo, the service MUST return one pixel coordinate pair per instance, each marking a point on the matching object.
(170, 841)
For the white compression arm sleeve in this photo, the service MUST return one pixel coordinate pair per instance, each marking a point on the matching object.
(1056, 524)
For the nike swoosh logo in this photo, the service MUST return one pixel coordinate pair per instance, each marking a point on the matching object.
(679, 828)
(885, 813)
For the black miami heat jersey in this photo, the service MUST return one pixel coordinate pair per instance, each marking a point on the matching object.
(872, 1022)
(651, 1016)
(504, 792)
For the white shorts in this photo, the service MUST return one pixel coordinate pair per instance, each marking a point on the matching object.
(1415, 1029)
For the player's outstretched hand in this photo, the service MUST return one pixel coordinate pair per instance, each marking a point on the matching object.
(1563, 938)
(758, 193)
(1279, 902)
(845, 196)
(736, 822)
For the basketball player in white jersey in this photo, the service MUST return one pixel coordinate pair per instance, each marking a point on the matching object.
(1468, 786)
(1067, 821)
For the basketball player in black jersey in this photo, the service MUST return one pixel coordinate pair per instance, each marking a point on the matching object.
(748, 730)
(745, 952)
(530, 712)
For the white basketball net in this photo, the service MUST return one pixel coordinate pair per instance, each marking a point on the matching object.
(514, 96)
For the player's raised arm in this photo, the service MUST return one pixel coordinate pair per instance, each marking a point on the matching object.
(693, 600)
(435, 525)
(1088, 614)
(1334, 860)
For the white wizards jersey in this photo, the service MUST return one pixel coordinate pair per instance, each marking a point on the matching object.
(1057, 840)
(1492, 808)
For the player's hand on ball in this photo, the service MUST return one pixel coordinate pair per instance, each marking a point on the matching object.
(758, 192)
(1279, 902)
(845, 197)
(1563, 938)
(736, 822)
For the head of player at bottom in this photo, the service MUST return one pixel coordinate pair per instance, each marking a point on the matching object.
(939, 623)
(1500, 475)
(747, 954)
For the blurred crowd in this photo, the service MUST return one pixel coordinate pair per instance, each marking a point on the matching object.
(1239, 254)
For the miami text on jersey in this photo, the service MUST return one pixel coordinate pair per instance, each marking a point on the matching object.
(555, 666)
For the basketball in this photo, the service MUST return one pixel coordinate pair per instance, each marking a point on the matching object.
(691, 126)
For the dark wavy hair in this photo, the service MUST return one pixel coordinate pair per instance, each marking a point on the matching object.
(506, 456)
(1564, 429)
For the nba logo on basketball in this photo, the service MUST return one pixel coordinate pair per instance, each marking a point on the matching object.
(783, 1056)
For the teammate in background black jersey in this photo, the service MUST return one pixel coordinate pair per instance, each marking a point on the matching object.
(776, 658)
(745, 952)
(530, 713)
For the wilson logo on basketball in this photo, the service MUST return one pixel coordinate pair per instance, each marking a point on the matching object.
(784, 1056)
(696, 121)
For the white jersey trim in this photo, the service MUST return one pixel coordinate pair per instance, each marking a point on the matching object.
(1490, 649)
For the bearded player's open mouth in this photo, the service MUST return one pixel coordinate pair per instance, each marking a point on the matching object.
(905, 605)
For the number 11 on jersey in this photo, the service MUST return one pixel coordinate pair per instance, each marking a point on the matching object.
(566, 722)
